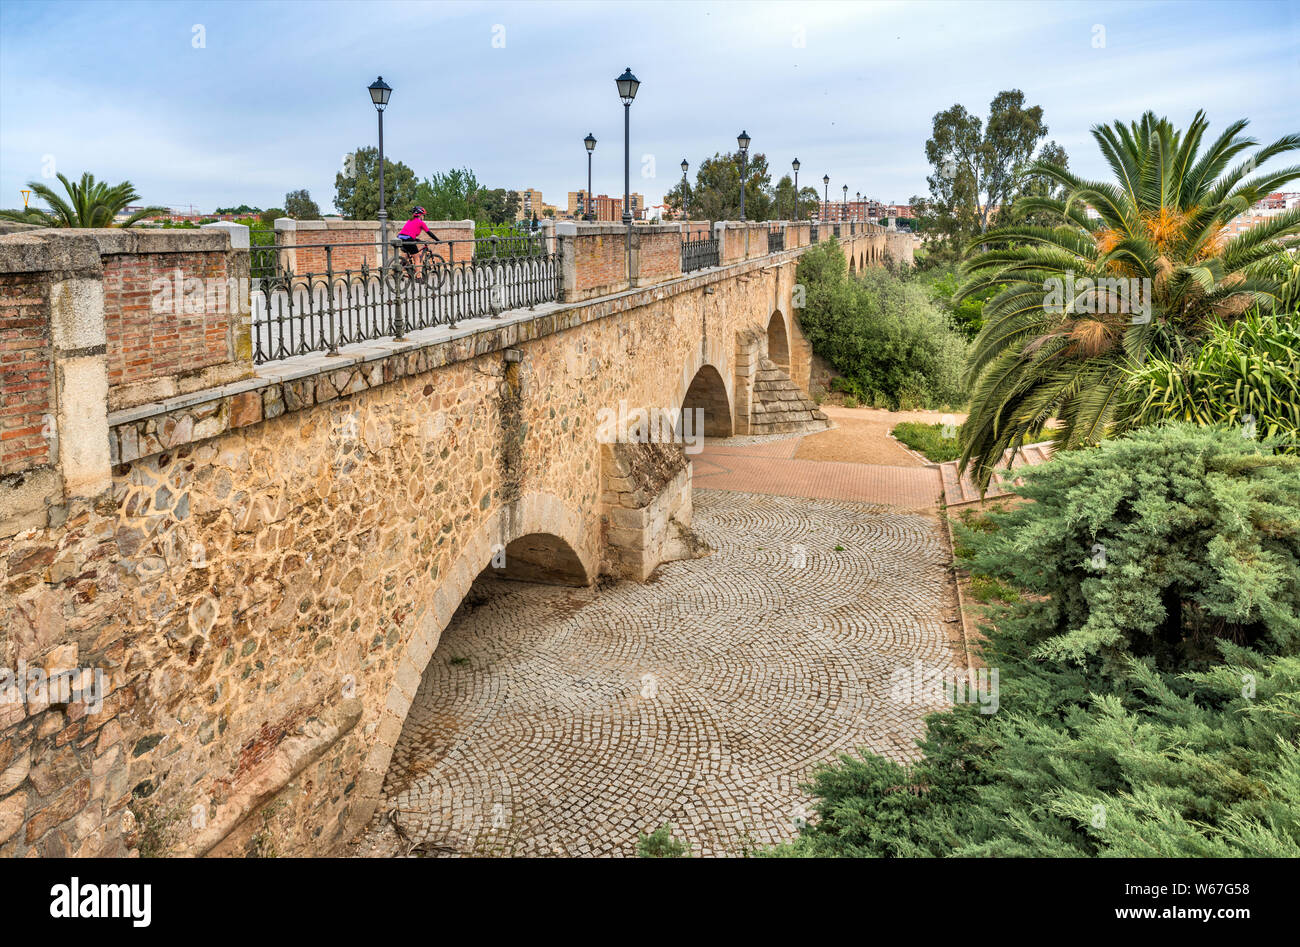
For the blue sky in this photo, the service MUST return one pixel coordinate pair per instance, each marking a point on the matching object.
(275, 95)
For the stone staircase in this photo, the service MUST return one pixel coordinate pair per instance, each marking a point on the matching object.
(779, 406)
(958, 491)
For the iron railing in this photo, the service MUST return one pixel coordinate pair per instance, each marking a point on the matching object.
(836, 231)
(699, 253)
(812, 236)
(775, 239)
(262, 255)
(299, 313)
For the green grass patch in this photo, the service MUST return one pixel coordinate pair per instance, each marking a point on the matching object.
(928, 439)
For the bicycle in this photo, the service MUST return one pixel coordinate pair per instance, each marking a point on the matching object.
(402, 268)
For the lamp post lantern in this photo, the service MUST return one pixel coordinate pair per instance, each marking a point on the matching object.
(627, 86)
(795, 164)
(590, 142)
(684, 167)
(379, 93)
(844, 212)
(826, 195)
(742, 141)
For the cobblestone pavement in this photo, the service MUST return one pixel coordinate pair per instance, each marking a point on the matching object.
(565, 721)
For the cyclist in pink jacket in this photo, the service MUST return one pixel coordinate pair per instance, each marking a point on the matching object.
(412, 231)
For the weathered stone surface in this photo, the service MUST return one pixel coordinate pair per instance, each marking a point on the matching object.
(12, 810)
(245, 409)
(240, 573)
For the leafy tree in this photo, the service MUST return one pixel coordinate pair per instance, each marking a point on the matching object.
(1036, 185)
(716, 194)
(241, 210)
(271, 214)
(449, 196)
(357, 195)
(89, 203)
(1086, 300)
(1148, 694)
(300, 206)
(968, 313)
(881, 332)
(978, 165)
(496, 206)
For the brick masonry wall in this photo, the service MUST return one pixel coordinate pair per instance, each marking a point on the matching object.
(660, 254)
(26, 375)
(601, 259)
(360, 243)
(733, 244)
(312, 257)
(144, 344)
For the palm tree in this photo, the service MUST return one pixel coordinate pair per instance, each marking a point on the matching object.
(1063, 330)
(90, 203)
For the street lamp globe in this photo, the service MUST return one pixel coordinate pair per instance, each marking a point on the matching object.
(590, 141)
(743, 140)
(627, 86)
(379, 93)
(795, 164)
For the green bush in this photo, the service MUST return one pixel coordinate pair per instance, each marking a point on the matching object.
(1148, 699)
(661, 844)
(937, 442)
(881, 332)
(1250, 367)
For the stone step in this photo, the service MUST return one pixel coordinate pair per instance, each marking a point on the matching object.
(779, 406)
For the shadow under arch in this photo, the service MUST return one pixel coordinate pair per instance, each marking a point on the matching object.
(554, 542)
(708, 393)
(778, 342)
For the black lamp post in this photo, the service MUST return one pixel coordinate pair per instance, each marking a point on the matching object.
(844, 214)
(684, 167)
(379, 93)
(795, 164)
(857, 209)
(627, 86)
(590, 142)
(826, 195)
(742, 140)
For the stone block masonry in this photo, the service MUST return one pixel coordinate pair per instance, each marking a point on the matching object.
(261, 569)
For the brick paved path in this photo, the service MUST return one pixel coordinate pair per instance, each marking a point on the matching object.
(563, 721)
(773, 468)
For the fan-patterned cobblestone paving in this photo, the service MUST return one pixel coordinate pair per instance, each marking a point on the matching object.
(558, 721)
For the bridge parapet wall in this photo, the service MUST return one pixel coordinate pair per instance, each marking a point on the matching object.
(261, 569)
(301, 243)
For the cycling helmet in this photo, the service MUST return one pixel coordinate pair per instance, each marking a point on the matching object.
(418, 210)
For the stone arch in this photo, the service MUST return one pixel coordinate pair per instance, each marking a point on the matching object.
(853, 264)
(708, 392)
(778, 342)
(544, 558)
(533, 527)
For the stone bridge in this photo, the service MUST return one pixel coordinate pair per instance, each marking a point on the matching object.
(221, 583)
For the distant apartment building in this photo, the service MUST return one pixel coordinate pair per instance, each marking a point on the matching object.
(861, 211)
(1269, 207)
(604, 207)
(531, 202)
